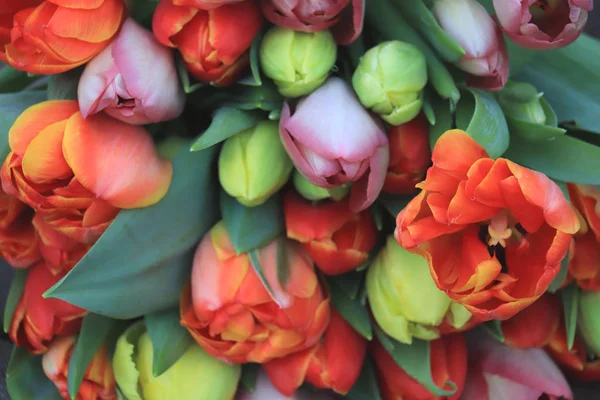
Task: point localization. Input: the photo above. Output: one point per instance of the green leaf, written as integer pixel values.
(443, 120)
(226, 122)
(423, 20)
(494, 329)
(255, 79)
(11, 106)
(480, 115)
(394, 203)
(142, 261)
(350, 282)
(252, 227)
(169, 339)
(563, 158)
(26, 380)
(366, 386)
(382, 16)
(428, 108)
(185, 78)
(17, 286)
(64, 86)
(255, 262)
(249, 374)
(264, 97)
(415, 360)
(570, 300)
(142, 11)
(94, 331)
(351, 310)
(13, 80)
(562, 274)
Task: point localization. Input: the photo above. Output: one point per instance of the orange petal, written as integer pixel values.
(116, 161)
(88, 25)
(84, 4)
(455, 152)
(43, 160)
(169, 19)
(464, 210)
(287, 373)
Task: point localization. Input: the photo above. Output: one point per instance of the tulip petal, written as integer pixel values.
(84, 4)
(366, 190)
(351, 23)
(169, 19)
(287, 373)
(88, 25)
(455, 152)
(116, 161)
(43, 160)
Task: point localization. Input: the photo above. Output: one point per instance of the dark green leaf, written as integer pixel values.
(561, 276)
(249, 374)
(351, 310)
(255, 62)
(379, 213)
(264, 97)
(169, 339)
(185, 78)
(94, 331)
(494, 328)
(255, 261)
(350, 282)
(64, 86)
(142, 11)
(570, 300)
(479, 114)
(26, 380)
(252, 227)
(14, 295)
(443, 121)
(141, 263)
(226, 122)
(12, 80)
(283, 266)
(366, 386)
(11, 106)
(394, 203)
(415, 360)
(563, 158)
(428, 109)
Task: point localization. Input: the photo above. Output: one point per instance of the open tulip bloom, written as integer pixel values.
(299, 199)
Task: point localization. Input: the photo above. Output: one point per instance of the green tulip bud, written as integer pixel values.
(390, 79)
(298, 62)
(404, 299)
(588, 320)
(253, 165)
(196, 375)
(521, 101)
(315, 193)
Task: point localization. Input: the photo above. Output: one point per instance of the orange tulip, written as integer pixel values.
(410, 156)
(19, 243)
(333, 363)
(337, 239)
(37, 321)
(494, 233)
(53, 36)
(584, 266)
(231, 314)
(214, 43)
(448, 359)
(534, 326)
(98, 381)
(77, 174)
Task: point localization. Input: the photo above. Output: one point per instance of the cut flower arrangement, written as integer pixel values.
(272, 199)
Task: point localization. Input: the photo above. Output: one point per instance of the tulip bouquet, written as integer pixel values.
(271, 199)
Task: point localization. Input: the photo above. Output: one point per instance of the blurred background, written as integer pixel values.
(581, 391)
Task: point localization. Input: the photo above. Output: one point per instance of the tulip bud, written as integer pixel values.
(196, 375)
(298, 62)
(521, 101)
(469, 24)
(390, 79)
(589, 320)
(404, 299)
(253, 165)
(264, 390)
(315, 193)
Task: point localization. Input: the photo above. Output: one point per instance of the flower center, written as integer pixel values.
(498, 230)
(550, 16)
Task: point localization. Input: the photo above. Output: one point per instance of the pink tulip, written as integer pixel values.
(499, 372)
(344, 17)
(133, 80)
(333, 140)
(264, 390)
(486, 58)
(543, 24)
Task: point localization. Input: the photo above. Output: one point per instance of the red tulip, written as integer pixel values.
(543, 24)
(19, 242)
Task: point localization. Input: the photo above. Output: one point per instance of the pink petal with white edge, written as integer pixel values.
(367, 189)
(332, 123)
(94, 90)
(116, 161)
(351, 23)
(587, 5)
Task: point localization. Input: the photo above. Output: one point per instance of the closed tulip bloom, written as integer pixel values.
(78, 173)
(469, 24)
(204, 4)
(194, 376)
(98, 381)
(410, 156)
(53, 36)
(448, 358)
(19, 242)
(117, 80)
(264, 390)
(297, 62)
(534, 326)
(404, 299)
(37, 321)
(233, 317)
(334, 363)
(493, 232)
(337, 239)
(257, 156)
(545, 24)
(498, 370)
(332, 140)
(214, 43)
(584, 265)
(344, 17)
(390, 79)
